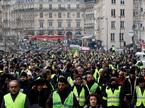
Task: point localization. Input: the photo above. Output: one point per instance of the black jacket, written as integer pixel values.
(37, 97)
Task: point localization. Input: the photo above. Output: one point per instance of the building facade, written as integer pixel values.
(108, 22)
(113, 20)
(8, 39)
(51, 17)
(1, 37)
(139, 20)
(23, 18)
(89, 19)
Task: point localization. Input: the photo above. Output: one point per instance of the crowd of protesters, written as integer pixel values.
(55, 78)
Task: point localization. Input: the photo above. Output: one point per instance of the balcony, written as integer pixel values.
(24, 10)
(5, 20)
(60, 28)
(6, 5)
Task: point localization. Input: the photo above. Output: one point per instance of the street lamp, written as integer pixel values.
(120, 38)
(107, 33)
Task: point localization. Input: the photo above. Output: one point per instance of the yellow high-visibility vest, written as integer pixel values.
(70, 81)
(140, 96)
(18, 103)
(81, 97)
(52, 76)
(95, 74)
(113, 98)
(93, 88)
(68, 103)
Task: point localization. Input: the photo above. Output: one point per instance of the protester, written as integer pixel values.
(24, 83)
(15, 98)
(112, 95)
(56, 60)
(129, 87)
(121, 78)
(139, 97)
(38, 95)
(93, 101)
(80, 90)
(62, 97)
(92, 86)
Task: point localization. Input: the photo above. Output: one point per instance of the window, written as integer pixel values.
(50, 32)
(122, 2)
(50, 15)
(1, 37)
(59, 15)
(68, 24)
(77, 6)
(113, 1)
(59, 6)
(41, 14)
(50, 23)
(122, 25)
(40, 6)
(78, 24)
(112, 37)
(113, 12)
(50, 6)
(112, 24)
(68, 6)
(59, 32)
(41, 32)
(141, 25)
(68, 15)
(41, 24)
(59, 24)
(121, 37)
(141, 9)
(122, 12)
(78, 15)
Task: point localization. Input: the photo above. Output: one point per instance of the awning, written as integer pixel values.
(86, 37)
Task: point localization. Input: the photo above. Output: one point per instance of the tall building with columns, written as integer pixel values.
(107, 21)
(51, 17)
(8, 39)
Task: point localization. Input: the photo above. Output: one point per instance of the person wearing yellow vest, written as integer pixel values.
(92, 86)
(97, 72)
(139, 97)
(63, 97)
(15, 99)
(113, 49)
(80, 90)
(112, 95)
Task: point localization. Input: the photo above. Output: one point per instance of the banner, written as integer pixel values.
(75, 49)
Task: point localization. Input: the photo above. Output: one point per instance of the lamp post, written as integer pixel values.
(107, 33)
(120, 38)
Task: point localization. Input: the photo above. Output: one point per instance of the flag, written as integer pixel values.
(74, 49)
